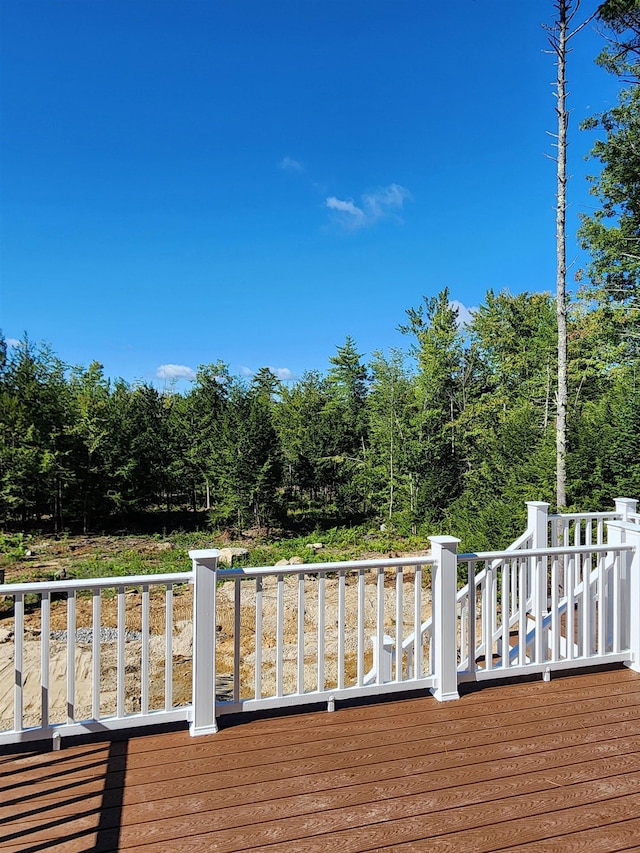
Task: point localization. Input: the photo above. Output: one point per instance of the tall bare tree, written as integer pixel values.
(561, 32)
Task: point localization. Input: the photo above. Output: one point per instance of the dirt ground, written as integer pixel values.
(50, 561)
(84, 659)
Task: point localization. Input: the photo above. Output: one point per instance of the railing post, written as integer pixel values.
(205, 564)
(625, 506)
(538, 523)
(444, 549)
(629, 534)
(615, 536)
(383, 667)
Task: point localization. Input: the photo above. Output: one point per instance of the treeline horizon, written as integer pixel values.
(450, 435)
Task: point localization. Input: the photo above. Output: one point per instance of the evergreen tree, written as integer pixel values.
(392, 411)
(89, 399)
(301, 426)
(612, 233)
(433, 450)
(250, 462)
(345, 420)
(206, 410)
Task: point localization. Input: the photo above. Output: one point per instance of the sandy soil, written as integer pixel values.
(182, 645)
(182, 636)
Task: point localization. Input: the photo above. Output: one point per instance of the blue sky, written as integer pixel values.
(252, 180)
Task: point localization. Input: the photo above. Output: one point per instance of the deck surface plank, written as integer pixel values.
(519, 766)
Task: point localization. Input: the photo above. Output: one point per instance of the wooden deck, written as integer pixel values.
(527, 766)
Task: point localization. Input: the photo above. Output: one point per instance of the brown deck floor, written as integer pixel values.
(526, 766)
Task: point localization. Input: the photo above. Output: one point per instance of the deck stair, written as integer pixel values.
(546, 628)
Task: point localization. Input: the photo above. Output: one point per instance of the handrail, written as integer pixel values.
(57, 706)
(313, 568)
(275, 636)
(325, 568)
(556, 551)
(576, 516)
(74, 584)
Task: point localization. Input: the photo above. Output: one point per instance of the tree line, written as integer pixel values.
(454, 432)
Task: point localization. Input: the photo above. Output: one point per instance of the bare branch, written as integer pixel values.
(582, 25)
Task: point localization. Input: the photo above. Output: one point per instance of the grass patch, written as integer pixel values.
(39, 559)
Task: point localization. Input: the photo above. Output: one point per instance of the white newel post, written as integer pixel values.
(205, 564)
(538, 523)
(625, 506)
(629, 534)
(444, 549)
(617, 612)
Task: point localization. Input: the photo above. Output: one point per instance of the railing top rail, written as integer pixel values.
(515, 546)
(575, 516)
(511, 550)
(544, 552)
(95, 583)
(313, 568)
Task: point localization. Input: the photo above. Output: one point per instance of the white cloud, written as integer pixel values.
(246, 371)
(282, 373)
(13, 342)
(385, 199)
(378, 204)
(347, 207)
(290, 165)
(175, 371)
(465, 315)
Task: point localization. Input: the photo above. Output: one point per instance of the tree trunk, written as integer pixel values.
(547, 395)
(59, 518)
(559, 39)
(391, 471)
(85, 497)
(561, 257)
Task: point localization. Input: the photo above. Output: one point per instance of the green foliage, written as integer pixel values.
(131, 563)
(611, 234)
(451, 436)
(435, 461)
(12, 547)
(392, 409)
(621, 54)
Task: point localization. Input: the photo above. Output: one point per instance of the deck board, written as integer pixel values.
(523, 766)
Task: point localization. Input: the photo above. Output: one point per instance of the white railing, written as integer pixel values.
(109, 664)
(589, 528)
(501, 606)
(306, 634)
(561, 601)
(193, 646)
(544, 610)
(523, 542)
(574, 529)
